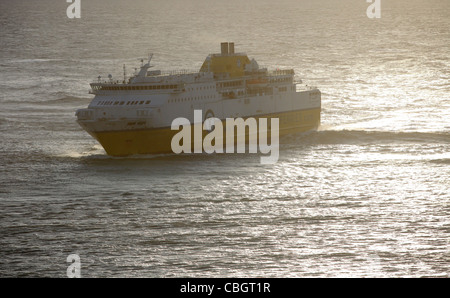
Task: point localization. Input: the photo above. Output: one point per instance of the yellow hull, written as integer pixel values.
(158, 140)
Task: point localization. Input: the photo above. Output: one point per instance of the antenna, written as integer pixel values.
(124, 74)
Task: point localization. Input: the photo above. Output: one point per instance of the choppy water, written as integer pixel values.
(365, 196)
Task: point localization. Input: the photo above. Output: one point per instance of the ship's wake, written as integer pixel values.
(330, 136)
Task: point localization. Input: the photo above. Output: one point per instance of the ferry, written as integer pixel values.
(134, 116)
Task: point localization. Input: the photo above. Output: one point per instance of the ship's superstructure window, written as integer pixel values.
(134, 102)
(149, 87)
(281, 80)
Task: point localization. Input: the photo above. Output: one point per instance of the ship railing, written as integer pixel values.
(178, 72)
(176, 87)
(228, 54)
(112, 82)
(281, 72)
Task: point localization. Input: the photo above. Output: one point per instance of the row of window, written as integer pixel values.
(154, 87)
(230, 84)
(280, 80)
(191, 98)
(200, 88)
(114, 103)
(165, 87)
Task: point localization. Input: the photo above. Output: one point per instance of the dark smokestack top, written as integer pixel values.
(231, 48)
(224, 48)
